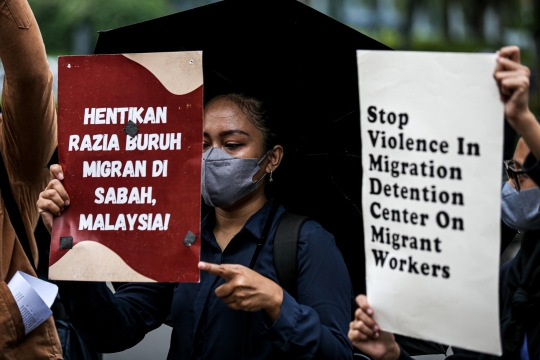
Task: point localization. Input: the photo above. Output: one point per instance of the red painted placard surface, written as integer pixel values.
(115, 82)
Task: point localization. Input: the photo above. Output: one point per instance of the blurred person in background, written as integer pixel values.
(520, 277)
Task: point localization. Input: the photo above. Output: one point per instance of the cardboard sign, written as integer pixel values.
(432, 140)
(130, 143)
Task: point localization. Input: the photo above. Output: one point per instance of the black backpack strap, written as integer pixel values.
(14, 213)
(286, 249)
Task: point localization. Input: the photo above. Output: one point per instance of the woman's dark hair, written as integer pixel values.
(256, 111)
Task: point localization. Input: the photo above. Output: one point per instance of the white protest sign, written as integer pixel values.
(432, 140)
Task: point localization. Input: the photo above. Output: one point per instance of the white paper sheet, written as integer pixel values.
(443, 288)
(34, 298)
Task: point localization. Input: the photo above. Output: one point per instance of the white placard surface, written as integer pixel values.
(34, 298)
(432, 141)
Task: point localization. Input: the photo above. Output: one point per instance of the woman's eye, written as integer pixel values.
(232, 146)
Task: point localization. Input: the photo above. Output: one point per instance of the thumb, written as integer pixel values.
(56, 172)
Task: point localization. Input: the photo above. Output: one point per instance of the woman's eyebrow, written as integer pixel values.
(231, 132)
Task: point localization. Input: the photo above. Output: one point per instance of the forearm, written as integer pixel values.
(29, 117)
(529, 128)
(92, 311)
(109, 322)
(42, 342)
(11, 322)
(299, 332)
(333, 345)
(315, 326)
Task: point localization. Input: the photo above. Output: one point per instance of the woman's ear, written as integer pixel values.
(274, 158)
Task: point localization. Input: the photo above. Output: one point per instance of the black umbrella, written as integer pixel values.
(304, 62)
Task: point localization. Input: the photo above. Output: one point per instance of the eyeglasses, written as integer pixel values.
(512, 173)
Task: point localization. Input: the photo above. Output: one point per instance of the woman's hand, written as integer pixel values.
(513, 82)
(54, 198)
(365, 334)
(246, 289)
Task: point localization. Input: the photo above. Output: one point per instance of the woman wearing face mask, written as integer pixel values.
(520, 194)
(520, 279)
(238, 310)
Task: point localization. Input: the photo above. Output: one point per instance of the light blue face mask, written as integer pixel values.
(519, 210)
(226, 179)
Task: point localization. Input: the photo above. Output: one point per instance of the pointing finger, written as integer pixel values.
(223, 271)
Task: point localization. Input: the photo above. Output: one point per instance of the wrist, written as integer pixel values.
(393, 352)
(274, 308)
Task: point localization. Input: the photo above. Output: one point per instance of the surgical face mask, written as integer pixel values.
(226, 179)
(519, 210)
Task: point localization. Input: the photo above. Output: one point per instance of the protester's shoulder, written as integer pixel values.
(314, 235)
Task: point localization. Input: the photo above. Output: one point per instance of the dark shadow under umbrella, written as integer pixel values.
(304, 63)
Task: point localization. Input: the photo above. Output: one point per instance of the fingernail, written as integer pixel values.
(66, 202)
(369, 311)
(202, 265)
(376, 335)
(60, 176)
(375, 328)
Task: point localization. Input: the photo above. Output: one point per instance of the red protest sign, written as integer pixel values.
(129, 141)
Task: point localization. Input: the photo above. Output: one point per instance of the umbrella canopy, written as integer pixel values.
(304, 63)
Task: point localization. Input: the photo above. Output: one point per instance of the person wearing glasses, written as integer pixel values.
(520, 194)
(520, 277)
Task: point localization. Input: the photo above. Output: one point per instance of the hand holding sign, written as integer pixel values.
(132, 147)
(365, 334)
(246, 289)
(54, 198)
(513, 81)
(431, 192)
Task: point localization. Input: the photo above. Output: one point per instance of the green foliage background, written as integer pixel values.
(62, 23)
(59, 19)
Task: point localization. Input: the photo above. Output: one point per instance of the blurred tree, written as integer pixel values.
(335, 8)
(474, 14)
(408, 8)
(70, 26)
(446, 20)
